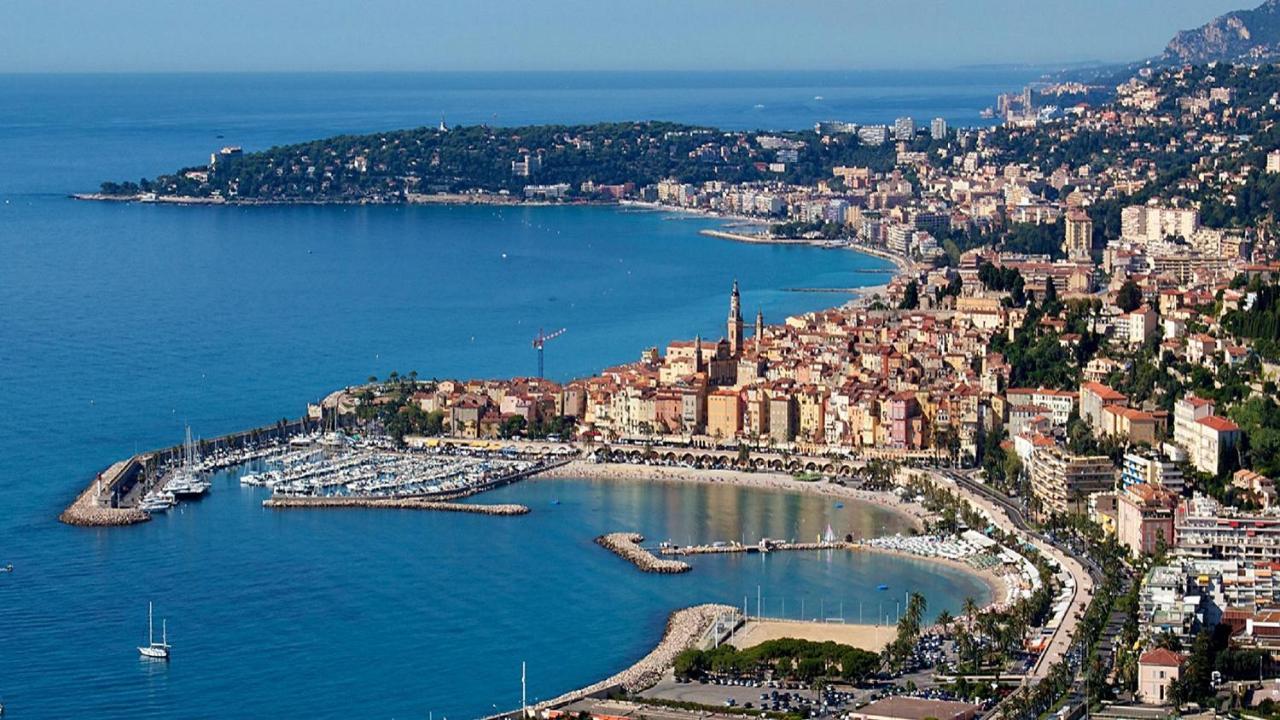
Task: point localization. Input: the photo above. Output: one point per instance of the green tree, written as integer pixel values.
(1129, 297)
(910, 297)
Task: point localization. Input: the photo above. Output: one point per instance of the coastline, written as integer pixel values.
(902, 265)
(911, 512)
(685, 629)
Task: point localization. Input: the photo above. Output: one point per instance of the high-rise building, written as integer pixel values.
(938, 129)
(1062, 482)
(1150, 224)
(904, 128)
(1079, 240)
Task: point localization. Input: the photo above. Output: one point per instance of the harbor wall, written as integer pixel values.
(105, 502)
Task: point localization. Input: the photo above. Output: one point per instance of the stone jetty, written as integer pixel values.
(626, 545)
(92, 507)
(685, 629)
(286, 501)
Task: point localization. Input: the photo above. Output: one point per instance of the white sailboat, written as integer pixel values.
(156, 650)
(187, 481)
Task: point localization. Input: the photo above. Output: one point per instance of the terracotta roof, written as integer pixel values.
(1161, 657)
(1219, 424)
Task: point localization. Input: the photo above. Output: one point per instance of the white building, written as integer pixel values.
(938, 129)
(1202, 434)
(1149, 224)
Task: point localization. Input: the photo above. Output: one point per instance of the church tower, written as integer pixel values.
(759, 326)
(697, 353)
(735, 321)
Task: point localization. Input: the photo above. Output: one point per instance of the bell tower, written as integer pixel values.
(735, 321)
(759, 326)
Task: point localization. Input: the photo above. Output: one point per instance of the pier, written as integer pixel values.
(764, 546)
(285, 502)
(626, 545)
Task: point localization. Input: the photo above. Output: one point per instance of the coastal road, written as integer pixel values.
(1082, 570)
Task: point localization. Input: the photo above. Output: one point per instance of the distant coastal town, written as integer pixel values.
(1070, 383)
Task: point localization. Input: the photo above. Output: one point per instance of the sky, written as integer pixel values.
(402, 35)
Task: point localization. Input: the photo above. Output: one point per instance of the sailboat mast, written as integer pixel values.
(151, 635)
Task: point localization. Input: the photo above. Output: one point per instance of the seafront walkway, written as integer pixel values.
(1009, 518)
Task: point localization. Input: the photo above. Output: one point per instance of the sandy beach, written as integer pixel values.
(912, 512)
(867, 637)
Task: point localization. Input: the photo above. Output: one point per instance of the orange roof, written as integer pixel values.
(1102, 391)
(1161, 657)
(1219, 424)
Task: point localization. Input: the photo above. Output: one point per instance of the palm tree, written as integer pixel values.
(944, 621)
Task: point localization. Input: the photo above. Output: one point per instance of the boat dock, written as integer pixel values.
(764, 546)
(113, 496)
(307, 469)
(395, 503)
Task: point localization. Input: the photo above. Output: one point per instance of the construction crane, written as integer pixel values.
(541, 340)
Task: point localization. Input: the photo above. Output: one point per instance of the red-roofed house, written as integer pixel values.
(1157, 669)
(1093, 398)
(1204, 435)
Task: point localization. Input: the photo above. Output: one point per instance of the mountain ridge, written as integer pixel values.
(1251, 35)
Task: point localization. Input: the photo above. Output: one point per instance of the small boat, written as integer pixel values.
(839, 505)
(156, 650)
(882, 586)
(555, 502)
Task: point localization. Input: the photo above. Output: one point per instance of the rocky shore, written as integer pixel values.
(626, 545)
(394, 503)
(685, 629)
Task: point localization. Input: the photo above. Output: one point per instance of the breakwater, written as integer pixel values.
(408, 503)
(626, 545)
(685, 629)
(89, 508)
(111, 497)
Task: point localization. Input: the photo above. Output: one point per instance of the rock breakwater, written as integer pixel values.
(626, 545)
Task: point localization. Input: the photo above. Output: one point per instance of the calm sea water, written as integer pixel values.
(120, 323)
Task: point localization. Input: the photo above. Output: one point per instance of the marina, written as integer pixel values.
(303, 466)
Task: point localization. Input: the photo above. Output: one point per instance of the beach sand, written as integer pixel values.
(867, 637)
(912, 512)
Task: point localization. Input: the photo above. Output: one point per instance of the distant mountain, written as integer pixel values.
(1239, 36)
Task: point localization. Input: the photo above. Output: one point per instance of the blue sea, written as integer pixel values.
(119, 324)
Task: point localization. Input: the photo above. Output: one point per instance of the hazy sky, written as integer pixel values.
(170, 35)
